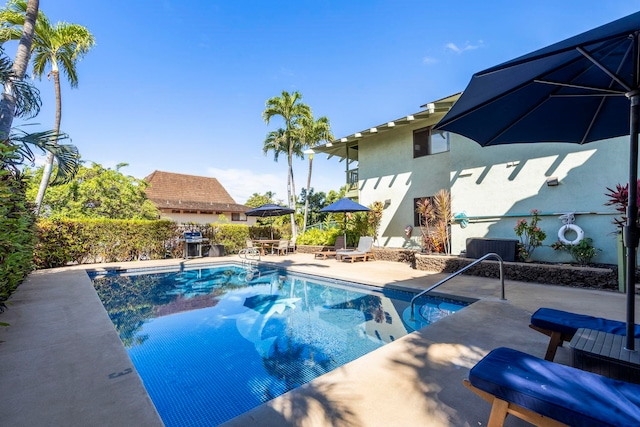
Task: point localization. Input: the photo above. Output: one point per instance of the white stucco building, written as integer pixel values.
(403, 160)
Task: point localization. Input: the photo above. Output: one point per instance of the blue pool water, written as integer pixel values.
(211, 343)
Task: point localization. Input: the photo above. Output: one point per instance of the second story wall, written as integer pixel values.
(388, 172)
(495, 186)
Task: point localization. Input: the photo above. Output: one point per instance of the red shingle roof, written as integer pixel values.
(179, 191)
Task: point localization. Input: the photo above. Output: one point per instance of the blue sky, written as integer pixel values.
(180, 86)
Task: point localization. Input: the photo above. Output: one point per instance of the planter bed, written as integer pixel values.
(601, 277)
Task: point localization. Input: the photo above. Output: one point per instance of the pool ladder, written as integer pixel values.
(462, 270)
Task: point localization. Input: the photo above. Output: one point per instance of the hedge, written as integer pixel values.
(62, 242)
(16, 230)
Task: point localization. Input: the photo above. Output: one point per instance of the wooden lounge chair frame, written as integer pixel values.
(323, 254)
(556, 339)
(561, 326)
(545, 393)
(363, 251)
(501, 408)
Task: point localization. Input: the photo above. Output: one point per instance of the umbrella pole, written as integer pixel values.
(631, 229)
(345, 230)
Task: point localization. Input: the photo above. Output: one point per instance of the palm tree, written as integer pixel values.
(293, 111)
(26, 102)
(58, 46)
(314, 131)
(14, 101)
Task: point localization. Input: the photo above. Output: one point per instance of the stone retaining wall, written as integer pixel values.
(560, 274)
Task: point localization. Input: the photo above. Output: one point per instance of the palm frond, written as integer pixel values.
(26, 95)
(66, 155)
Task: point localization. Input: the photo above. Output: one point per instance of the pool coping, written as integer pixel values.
(61, 348)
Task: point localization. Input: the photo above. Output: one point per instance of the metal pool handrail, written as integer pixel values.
(462, 270)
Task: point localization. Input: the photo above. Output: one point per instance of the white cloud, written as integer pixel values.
(467, 46)
(429, 60)
(242, 183)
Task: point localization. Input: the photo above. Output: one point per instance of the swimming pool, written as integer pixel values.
(212, 342)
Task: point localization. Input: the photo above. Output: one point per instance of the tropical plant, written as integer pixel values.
(58, 46)
(374, 217)
(12, 98)
(582, 252)
(96, 192)
(619, 198)
(287, 139)
(17, 236)
(435, 218)
(66, 155)
(313, 202)
(531, 236)
(257, 200)
(313, 131)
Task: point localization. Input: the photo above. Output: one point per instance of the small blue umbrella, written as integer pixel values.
(269, 210)
(344, 205)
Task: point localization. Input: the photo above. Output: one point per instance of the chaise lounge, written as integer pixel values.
(561, 325)
(339, 245)
(550, 394)
(363, 251)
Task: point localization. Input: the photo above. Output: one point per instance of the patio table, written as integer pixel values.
(265, 244)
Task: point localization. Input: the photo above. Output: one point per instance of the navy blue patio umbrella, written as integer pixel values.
(583, 89)
(345, 205)
(269, 210)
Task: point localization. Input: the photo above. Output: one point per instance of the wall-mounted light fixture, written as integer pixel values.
(552, 181)
(387, 202)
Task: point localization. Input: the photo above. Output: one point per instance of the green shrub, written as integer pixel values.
(16, 230)
(582, 252)
(64, 241)
(317, 237)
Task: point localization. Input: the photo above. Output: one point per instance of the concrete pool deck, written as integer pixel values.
(63, 364)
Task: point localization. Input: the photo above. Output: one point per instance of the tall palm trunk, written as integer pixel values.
(20, 64)
(48, 166)
(292, 195)
(306, 199)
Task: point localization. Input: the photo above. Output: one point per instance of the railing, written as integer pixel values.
(352, 178)
(462, 270)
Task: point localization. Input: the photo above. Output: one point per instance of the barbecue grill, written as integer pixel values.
(193, 243)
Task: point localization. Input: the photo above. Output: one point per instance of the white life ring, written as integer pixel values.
(573, 227)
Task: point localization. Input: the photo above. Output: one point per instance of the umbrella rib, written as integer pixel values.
(603, 68)
(593, 121)
(605, 92)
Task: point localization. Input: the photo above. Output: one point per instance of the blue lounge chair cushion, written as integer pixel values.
(560, 392)
(569, 323)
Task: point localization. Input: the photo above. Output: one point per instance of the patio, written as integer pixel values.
(63, 363)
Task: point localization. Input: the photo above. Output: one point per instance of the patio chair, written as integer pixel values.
(364, 251)
(550, 394)
(339, 245)
(292, 247)
(283, 247)
(561, 325)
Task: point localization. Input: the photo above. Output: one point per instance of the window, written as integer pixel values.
(416, 206)
(235, 216)
(427, 141)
